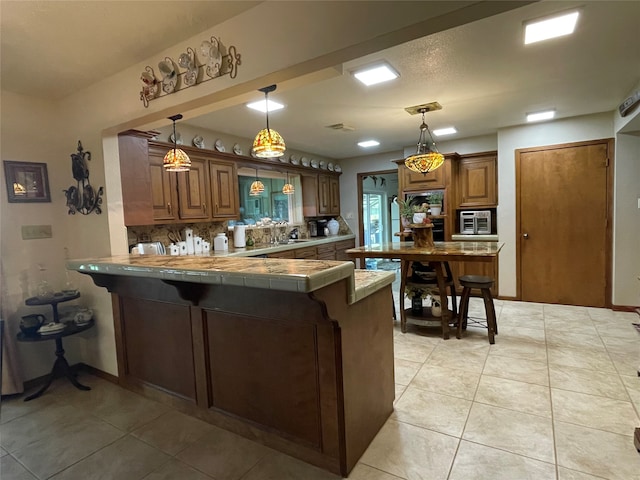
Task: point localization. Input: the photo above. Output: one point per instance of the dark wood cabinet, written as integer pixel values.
(208, 191)
(164, 192)
(411, 180)
(224, 189)
(320, 195)
(477, 180)
(308, 253)
(193, 191)
(341, 248)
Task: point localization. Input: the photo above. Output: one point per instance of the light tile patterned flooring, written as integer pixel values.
(556, 397)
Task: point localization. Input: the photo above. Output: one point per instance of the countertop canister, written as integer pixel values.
(220, 242)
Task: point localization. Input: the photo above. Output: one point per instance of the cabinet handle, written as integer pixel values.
(204, 208)
(169, 208)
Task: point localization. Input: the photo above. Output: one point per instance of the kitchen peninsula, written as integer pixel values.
(294, 354)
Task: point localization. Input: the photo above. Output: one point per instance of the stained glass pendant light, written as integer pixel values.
(176, 160)
(268, 143)
(257, 187)
(288, 188)
(427, 157)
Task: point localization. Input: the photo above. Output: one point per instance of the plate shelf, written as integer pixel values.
(154, 88)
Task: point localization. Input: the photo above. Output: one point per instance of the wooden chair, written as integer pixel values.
(484, 284)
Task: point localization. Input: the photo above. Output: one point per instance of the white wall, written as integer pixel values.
(626, 238)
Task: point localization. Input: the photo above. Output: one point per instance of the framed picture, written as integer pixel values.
(27, 182)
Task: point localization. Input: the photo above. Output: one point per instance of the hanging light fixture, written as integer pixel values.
(268, 143)
(257, 187)
(288, 188)
(176, 160)
(427, 157)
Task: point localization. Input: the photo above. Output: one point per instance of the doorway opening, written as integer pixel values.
(377, 221)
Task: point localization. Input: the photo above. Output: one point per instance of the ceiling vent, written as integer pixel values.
(341, 126)
(426, 107)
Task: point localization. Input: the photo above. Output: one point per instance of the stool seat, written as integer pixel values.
(483, 284)
(476, 281)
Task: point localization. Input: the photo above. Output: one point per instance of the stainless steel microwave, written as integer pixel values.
(475, 222)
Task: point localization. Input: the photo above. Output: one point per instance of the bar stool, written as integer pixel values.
(484, 284)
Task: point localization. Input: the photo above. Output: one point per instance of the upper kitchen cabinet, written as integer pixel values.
(410, 181)
(163, 194)
(477, 180)
(208, 191)
(321, 195)
(135, 173)
(224, 189)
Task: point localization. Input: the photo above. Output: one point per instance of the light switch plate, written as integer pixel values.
(31, 232)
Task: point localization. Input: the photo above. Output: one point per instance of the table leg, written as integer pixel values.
(60, 366)
(442, 288)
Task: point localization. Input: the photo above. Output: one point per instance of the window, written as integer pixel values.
(271, 203)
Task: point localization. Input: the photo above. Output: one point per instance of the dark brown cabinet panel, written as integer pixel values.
(477, 181)
(417, 181)
(341, 247)
(164, 192)
(136, 180)
(281, 393)
(320, 195)
(193, 191)
(224, 189)
(309, 253)
(157, 339)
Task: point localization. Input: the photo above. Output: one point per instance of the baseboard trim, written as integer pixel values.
(625, 308)
(99, 373)
(76, 367)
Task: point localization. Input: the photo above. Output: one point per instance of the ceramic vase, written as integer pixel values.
(419, 217)
(436, 309)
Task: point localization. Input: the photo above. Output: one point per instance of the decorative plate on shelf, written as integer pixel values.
(219, 145)
(337, 168)
(198, 141)
(236, 149)
(305, 161)
(315, 163)
(177, 138)
(283, 159)
(294, 160)
(330, 167)
(323, 164)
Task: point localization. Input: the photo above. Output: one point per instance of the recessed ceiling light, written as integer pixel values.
(376, 74)
(538, 116)
(368, 143)
(445, 131)
(550, 28)
(261, 106)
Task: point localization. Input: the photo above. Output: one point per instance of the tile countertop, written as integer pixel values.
(265, 248)
(267, 273)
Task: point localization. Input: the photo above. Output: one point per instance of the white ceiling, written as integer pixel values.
(481, 73)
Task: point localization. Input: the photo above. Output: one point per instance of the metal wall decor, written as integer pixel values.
(83, 197)
(212, 61)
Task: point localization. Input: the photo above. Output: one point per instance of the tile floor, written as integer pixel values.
(556, 397)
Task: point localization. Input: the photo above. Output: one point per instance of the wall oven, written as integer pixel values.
(475, 222)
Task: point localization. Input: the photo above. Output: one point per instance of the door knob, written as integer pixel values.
(525, 236)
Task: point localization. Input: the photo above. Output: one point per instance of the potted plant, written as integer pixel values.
(406, 211)
(435, 202)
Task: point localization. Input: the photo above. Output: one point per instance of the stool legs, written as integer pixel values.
(464, 310)
(492, 324)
